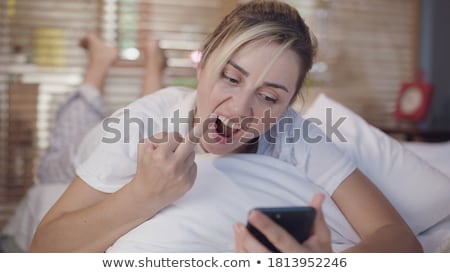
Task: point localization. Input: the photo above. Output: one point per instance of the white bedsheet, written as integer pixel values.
(437, 238)
(31, 210)
(437, 154)
(41, 197)
(201, 221)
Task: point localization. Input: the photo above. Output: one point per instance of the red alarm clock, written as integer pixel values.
(413, 100)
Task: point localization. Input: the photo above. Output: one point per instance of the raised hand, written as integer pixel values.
(166, 171)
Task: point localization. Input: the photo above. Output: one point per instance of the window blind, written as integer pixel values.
(41, 58)
(367, 48)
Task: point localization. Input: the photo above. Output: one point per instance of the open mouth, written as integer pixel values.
(226, 127)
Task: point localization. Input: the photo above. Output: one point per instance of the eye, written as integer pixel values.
(230, 79)
(268, 98)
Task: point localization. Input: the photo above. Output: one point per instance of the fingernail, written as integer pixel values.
(239, 228)
(254, 213)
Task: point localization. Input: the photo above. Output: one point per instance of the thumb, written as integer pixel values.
(320, 227)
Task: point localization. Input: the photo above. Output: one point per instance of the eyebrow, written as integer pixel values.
(276, 85)
(246, 73)
(242, 70)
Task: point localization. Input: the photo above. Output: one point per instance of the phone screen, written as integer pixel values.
(298, 221)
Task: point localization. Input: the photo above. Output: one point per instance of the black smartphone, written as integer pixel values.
(298, 221)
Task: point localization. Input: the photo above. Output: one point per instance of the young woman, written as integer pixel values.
(252, 69)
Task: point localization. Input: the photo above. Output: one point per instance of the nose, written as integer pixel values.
(242, 104)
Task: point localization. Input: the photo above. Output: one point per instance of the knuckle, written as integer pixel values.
(177, 137)
(159, 138)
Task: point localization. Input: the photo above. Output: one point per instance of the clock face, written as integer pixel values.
(411, 100)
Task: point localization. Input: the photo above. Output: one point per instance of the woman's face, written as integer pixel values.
(248, 97)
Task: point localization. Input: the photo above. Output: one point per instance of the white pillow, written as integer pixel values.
(419, 192)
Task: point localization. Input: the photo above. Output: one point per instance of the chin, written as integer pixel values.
(219, 149)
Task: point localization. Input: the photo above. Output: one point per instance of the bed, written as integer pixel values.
(414, 176)
(437, 238)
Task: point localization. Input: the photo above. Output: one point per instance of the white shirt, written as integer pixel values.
(111, 148)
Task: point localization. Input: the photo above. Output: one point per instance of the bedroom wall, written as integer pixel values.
(435, 59)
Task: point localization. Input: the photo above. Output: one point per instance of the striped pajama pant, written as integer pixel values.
(77, 114)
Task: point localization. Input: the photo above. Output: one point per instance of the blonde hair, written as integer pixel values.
(257, 21)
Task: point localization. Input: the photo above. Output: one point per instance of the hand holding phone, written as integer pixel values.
(297, 221)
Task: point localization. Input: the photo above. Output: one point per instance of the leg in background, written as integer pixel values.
(80, 112)
(155, 63)
(101, 57)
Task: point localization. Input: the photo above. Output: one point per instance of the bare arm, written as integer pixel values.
(372, 216)
(86, 220)
(378, 224)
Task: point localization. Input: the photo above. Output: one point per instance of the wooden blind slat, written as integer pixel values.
(370, 49)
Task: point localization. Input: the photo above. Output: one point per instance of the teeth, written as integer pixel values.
(229, 123)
